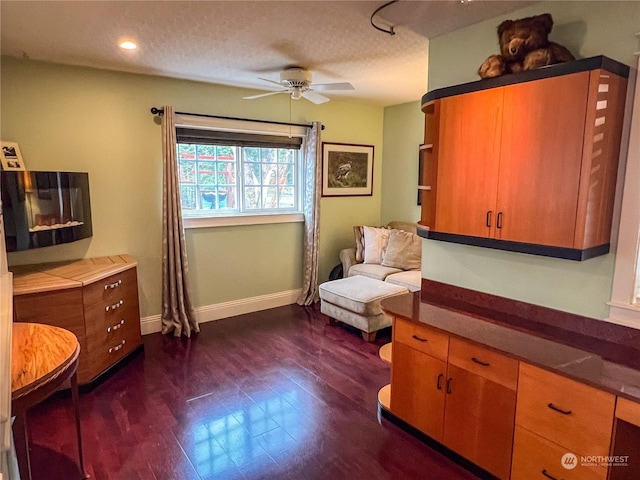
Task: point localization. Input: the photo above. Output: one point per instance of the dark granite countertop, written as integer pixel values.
(613, 367)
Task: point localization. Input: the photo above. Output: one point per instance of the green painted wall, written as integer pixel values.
(588, 29)
(81, 119)
(403, 134)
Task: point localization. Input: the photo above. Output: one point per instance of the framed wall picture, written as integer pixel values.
(10, 156)
(347, 170)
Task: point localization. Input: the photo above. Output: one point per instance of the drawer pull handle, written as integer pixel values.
(488, 219)
(449, 380)
(115, 327)
(439, 382)
(117, 347)
(480, 362)
(113, 285)
(559, 410)
(114, 306)
(544, 472)
(420, 339)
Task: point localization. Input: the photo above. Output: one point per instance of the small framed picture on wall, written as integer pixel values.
(10, 156)
(347, 169)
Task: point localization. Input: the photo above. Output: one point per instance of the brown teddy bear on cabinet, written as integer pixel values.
(524, 45)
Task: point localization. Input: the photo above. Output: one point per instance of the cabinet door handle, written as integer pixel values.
(113, 285)
(115, 327)
(420, 339)
(559, 410)
(548, 475)
(480, 362)
(117, 347)
(114, 306)
(439, 382)
(499, 220)
(488, 220)
(449, 380)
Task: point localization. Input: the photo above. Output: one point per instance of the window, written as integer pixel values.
(228, 173)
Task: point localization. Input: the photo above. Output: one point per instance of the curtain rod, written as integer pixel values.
(160, 111)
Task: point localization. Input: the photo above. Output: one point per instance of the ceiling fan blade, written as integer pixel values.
(270, 81)
(264, 95)
(320, 87)
(315, 97)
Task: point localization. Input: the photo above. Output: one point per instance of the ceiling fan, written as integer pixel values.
(296, 82)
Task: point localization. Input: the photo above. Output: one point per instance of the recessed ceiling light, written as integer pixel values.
(128, 45)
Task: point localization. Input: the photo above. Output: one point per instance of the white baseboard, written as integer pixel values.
(208, 313)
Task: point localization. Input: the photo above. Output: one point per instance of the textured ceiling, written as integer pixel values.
(235, 42)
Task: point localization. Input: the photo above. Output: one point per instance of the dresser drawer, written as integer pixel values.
(576, 416)
(486, 363)
(110, 289)
(535, 458)
(102, 324)
(421, 338)
(107, 354)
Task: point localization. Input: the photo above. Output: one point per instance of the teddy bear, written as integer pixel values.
(524, 45)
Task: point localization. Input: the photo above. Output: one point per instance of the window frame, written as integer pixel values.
(624, 308)
(200, 220)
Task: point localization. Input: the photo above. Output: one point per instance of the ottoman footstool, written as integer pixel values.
(356, 302)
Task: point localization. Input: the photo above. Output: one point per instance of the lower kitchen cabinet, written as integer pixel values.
(478, 422)
(466, 400)
(417, 389)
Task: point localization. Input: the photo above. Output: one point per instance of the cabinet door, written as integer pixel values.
(479, 420)
(468, 155)
(540, 159)
(417, 389)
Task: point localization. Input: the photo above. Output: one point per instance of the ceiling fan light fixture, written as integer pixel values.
(296, 82)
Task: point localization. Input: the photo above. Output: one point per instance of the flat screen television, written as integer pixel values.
(41, 209)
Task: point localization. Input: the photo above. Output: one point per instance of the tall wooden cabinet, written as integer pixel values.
(95, 298)
(527, 162)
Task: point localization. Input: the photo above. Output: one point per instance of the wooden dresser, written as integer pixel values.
(95, 298)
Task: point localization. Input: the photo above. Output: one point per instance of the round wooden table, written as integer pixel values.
(43, 357)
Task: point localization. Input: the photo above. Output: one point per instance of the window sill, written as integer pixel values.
(208, 222)
(626, 314)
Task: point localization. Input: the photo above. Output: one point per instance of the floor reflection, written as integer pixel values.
(264, 432)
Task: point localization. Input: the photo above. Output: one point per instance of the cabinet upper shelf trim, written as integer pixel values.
(583, 65)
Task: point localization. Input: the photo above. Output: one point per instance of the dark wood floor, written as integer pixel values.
(275, 394)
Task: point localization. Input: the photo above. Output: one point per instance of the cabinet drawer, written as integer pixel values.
(107, 355)
(111, 289)
(486, 363)
(628, 411)
(576, 416)
(422, 338)
(535, 458)
(102, 324)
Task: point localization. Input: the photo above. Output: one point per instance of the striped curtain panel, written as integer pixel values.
(177, 310)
